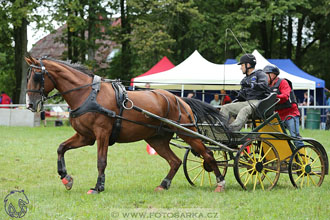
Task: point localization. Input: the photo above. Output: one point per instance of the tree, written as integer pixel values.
(7, 73)
(86, 22)
(151, 29)
(17, 13)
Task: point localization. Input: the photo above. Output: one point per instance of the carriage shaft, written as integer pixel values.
(170, 122)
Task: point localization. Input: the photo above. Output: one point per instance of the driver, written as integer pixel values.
(254, 87)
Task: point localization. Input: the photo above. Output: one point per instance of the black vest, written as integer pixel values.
(292, 97)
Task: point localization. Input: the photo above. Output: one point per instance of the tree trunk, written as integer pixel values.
(75, 55)
(82, 49)
(91, 30)
(75, 43)
(281, 38)
(69, 40)
(298, 56)
(20, 38)
(271, 38)
(125, 57)
(264, 37)
(289, 40)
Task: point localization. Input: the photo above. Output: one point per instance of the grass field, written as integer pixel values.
(28, 160)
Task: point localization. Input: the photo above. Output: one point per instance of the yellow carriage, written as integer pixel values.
(259, 156)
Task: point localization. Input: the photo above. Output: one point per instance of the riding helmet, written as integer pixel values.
(272, 69)
(248, 58)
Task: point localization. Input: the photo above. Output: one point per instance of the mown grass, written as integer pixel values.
(28, 160)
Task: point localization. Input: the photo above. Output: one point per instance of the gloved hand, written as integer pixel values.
(233, 93)
(248, 85)
(240, 97)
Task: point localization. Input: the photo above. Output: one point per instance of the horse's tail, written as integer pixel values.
(205, 112)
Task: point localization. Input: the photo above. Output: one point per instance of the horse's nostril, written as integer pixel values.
(30, 106)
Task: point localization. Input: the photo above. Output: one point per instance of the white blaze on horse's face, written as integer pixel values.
(27, 100)
(34, 102)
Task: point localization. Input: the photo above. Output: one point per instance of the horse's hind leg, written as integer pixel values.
(75, 141)
(161, 146)
(198, 146)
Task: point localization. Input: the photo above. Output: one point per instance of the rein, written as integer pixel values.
(41, 77)
(71, 90)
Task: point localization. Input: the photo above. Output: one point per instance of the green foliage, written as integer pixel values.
(12, 14)
(151, 29)
(7, 75)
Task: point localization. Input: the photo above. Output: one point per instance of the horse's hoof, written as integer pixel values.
(68, 182)
(219, 189)
(159, 189)
(92, 191)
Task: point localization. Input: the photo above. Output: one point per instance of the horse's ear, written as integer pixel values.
(30, 60)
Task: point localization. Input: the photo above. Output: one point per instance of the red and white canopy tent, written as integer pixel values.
(163, 65)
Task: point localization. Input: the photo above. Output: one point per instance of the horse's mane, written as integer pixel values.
(76, 66)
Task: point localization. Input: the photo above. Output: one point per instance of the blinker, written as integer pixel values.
(37, 77)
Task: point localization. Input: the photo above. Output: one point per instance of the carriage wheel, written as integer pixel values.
(198, 172)
(306, 167)
(257, 165)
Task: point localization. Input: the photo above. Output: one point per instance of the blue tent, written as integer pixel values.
(288, 66)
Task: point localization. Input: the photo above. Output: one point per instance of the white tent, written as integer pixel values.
(196, 73)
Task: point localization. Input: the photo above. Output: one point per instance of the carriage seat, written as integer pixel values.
(265, 108)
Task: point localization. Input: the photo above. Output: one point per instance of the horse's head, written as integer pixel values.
(39, 84)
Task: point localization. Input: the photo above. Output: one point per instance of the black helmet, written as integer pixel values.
(248, 58)
(272, 69)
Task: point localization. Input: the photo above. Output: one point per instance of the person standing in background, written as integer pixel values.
(5, 99)
(327, 122)
(191, 95)
(147, 85)
(225, 99)
(43, 118)
(311, 100)
(216, 101)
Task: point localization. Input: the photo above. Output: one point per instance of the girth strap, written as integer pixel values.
(121, 96)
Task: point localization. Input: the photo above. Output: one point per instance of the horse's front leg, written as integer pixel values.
(75, 141)
(102, 153)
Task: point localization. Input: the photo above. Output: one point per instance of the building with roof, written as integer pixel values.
(52, 46)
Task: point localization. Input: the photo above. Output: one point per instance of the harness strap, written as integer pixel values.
(179, 109)
(189, 116)
(167, 112)
(90, 104)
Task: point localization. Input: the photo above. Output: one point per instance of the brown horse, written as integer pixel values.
(95, 121)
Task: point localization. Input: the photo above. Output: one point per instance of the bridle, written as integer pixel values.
(40, 77)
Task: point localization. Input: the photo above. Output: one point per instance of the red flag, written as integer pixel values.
(150, 150)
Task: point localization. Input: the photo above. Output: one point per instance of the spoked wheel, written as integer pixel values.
(198, 172)
(306, 167)
(257, 165)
